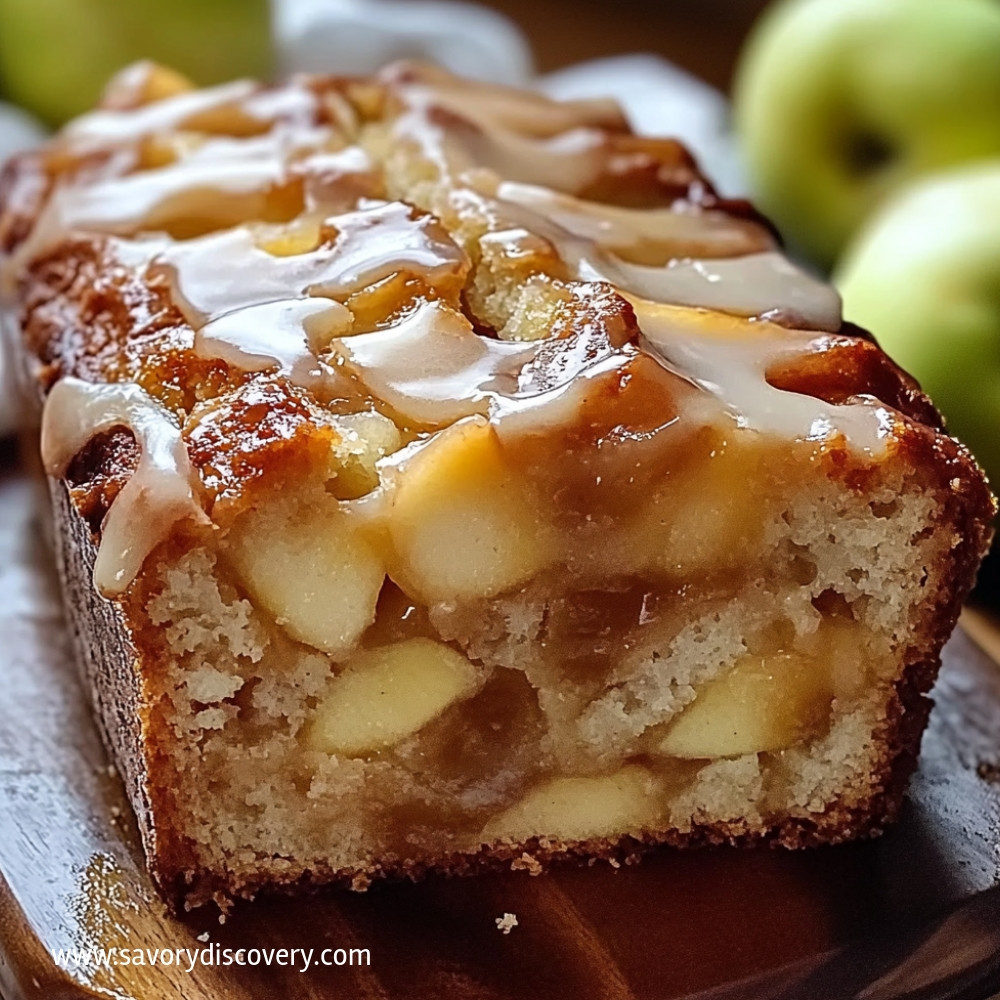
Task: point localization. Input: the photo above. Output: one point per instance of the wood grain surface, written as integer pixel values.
(736, 923)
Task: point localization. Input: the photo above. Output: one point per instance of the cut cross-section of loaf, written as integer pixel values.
(443, 474)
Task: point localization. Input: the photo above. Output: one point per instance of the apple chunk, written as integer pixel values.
(311, 569)
(580, 808)
(461, 525)
(710, 517)
(762, 703)
(840, 103)
(385, 695)
(923, 274)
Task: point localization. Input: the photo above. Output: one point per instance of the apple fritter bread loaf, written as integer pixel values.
(445, 476)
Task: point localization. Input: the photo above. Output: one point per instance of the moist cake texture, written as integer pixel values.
(445, 476)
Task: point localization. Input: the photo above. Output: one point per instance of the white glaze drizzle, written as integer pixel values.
(212, 109)
(765, 285)
(467, 129)
(159, 494)
(286, 336)
(516, 134)
(663, 232)
(101, 128)
(212, 189)
(432, 368)
(218, 274)
(548, 405)
(335, 180)
(523, 111)
(732, 368)
(220, 183)
(759, 284)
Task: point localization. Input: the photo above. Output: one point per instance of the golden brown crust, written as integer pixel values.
(24, 185)
(106, 655)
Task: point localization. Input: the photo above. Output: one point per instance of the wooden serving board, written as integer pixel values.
(908, 915)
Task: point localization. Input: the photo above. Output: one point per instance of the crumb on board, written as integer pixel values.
(506, 923)
(526, 863)
(988, 771)
(203, 936)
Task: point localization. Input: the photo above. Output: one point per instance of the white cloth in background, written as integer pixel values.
(359, 36)
(18, 130)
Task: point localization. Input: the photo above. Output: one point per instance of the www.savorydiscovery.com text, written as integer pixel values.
(214, 954)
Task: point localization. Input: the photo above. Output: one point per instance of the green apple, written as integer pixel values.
(56, 55)
(924, 276)
(840, 102)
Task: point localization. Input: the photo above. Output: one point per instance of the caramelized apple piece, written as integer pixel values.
(763, 703)
(366, 438)
(385, 695)
(461, 524)
(144, 83)
(707, 518)
(288, 239)
(312, 569)
(581, 808)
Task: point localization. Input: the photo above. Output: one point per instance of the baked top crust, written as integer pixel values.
(238, 240)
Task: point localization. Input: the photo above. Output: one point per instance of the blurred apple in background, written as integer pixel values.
(838, 103)
(924, 275)
(56, 55)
